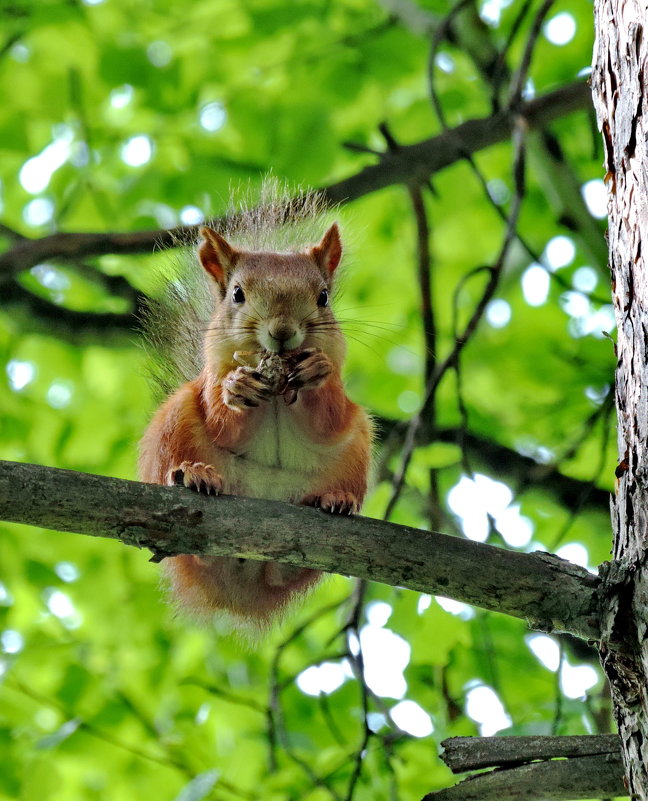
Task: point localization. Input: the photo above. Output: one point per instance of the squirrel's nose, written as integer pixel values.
(282, 332)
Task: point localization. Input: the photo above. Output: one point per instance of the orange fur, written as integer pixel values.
(302, 441)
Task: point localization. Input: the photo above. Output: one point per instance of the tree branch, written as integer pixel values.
(551, 780)
(549, 592)
(411, 163)
(472, 753)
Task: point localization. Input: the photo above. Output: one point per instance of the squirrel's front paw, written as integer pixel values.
(310, 370)
(336, 502)
(197, 476)
(245, 387)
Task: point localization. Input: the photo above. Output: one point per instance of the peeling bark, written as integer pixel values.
(620, 53)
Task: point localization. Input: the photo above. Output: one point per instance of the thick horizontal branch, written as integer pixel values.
(472, 753)
(549, 592)
(410, 163)
(553, 780)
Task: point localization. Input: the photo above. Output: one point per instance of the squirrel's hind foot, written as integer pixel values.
(336, 502)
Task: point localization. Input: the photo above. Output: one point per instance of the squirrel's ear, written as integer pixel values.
(328, 253)
(216, 255)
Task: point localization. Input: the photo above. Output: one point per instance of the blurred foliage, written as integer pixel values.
(128, 115)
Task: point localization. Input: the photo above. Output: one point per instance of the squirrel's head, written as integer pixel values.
(271, 301)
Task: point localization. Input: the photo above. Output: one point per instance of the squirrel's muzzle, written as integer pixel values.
(283, 336)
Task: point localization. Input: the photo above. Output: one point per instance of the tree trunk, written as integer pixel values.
(618, 89)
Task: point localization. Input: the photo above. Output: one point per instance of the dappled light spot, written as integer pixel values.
(424, 602)
(560, 30)
(559, 252)
(325, 678)
(585, 319)
(378, 613)
(498, 313)
(412, 718)
(137, 150)
(50, 277)
(574, 552)
(545, 649)
(20, 53)
(585, 279)
(61, 606)
(20, 374)
(212, 116)
(596, 198)
(457, 608)
(67, 571)
(376, 721)
(191, 215)
(491, 11)
(528, 90)
(38, 212)
(59, 394)
(597, 394)
(535, 285)
(122, 96)
(11, 641)
(445, 62)
(515, 528)
(159, 53)
(36, 172)
(475, 500)
(576, 680)
(408, 401)
(386, 655)
(5, 596)
(485, 708)
(498, 191)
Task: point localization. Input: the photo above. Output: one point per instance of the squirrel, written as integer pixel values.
(267, 417)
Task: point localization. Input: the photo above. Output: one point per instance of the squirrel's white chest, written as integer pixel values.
(279, 462)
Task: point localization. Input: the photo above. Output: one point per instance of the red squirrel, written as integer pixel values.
(267, 417)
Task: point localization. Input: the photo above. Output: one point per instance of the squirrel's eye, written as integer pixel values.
(322, 300)
(237, 295)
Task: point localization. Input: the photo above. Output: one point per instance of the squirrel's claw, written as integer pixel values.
(337, 502)
(197, 476)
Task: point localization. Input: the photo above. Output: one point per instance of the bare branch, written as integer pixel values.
(549, 592)
(411, 163)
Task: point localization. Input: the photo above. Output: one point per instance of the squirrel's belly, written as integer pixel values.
(279, 463)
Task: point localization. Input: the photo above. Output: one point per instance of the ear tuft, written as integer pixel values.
(328, 253)
(216, 255)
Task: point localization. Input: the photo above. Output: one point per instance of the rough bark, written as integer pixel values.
(551, 593)
(618, 78)
(551, 780)
(472, 753)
